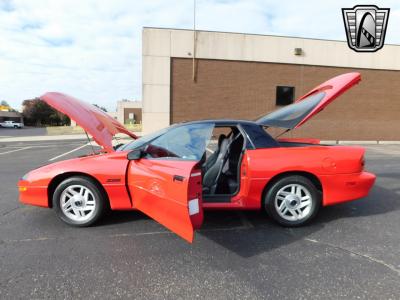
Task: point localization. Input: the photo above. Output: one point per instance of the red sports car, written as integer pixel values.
(174, 174)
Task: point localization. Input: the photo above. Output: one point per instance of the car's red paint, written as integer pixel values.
(339, 169)
(95, 121)
(158, 194)
(333, 89)
(300, 140)
(324, 163)
(32, 194)
(108, 169)
(346, 187)
(150, 185)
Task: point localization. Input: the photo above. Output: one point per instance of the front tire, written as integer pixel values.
(292, 201)
(78, 201)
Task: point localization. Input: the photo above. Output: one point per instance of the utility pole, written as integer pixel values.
(194, 65)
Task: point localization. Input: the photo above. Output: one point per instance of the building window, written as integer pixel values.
(284, 95)
(131, 116)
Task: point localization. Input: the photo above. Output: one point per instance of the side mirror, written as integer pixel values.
(117, 146)
(136, 154)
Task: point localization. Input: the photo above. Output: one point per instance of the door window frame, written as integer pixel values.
(247, 144)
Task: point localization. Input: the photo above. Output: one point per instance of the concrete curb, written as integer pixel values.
(357, 142)
(389, 142)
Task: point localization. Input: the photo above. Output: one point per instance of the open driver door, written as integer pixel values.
(169, 191)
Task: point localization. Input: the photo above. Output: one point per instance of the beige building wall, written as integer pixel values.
(113, 114)
(124, 105)
(160, 45)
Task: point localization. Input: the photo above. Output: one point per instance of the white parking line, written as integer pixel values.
(66, 153)
(11, 151)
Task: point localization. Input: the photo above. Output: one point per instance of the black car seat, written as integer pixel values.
(211, 176)
(232, 166)
(235, 151)
(213, 157)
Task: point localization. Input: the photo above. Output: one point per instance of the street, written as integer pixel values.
(349, 251)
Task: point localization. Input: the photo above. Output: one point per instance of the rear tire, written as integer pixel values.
(292, 201)
(78, 201)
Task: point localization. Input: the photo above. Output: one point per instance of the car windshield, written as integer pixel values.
(187, 142)
(143, 140)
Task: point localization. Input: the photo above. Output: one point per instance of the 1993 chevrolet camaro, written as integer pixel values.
(174, 174)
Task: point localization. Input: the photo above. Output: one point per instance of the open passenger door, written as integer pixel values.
(169, 191)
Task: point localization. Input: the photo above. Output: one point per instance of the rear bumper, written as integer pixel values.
(32, 195)
(340, 188)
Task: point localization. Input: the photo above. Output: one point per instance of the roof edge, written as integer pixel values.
(256, 34)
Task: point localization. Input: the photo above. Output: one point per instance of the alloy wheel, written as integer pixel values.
(293, 202)
(77, 203)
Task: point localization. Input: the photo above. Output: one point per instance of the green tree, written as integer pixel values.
(37, 112)
(4, 103)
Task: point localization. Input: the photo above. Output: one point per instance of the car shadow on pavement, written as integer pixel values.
(261, 234)
(120, 217)
(253, 232)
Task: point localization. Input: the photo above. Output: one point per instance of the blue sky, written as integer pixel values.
(91, 49)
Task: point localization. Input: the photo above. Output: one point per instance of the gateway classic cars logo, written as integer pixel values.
(365, 27)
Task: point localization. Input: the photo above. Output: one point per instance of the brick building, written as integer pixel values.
(239, 76)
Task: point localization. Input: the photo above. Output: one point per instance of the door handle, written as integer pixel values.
(178, 178)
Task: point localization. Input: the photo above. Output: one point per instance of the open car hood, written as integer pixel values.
(93, 120)
(296, 114)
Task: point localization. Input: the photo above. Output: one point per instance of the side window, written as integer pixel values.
(187, 142)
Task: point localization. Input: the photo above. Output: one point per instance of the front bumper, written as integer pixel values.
(32, 195)
(340, 188)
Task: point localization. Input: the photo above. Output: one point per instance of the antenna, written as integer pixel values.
(90, 142)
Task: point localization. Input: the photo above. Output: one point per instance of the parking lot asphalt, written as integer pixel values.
(350, 251)
(26, 131)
